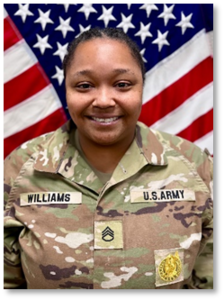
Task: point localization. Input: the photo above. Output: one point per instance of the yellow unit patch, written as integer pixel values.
(169, 266)
(108, 234)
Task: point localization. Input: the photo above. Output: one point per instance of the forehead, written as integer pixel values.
(100, 42)
(103, 48)
(101, 54)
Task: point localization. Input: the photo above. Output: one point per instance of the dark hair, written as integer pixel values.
(111, 33)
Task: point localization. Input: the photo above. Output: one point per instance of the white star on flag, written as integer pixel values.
(42, 43)
(167, 14)
(87, 9)
(144, 31)
(149, 8)
(185, 22)
(59, 75)
(44, 18)
(82, 29)
(62, 50)
(107, 15)
(142, 54)
(126, 23)
(64, 26)
(23, 11)
(129, 5)
(66, 4)
(161, 40)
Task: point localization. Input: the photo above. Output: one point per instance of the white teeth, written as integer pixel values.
(106, 120)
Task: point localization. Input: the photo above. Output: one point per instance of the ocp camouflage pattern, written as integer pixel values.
(109, 239)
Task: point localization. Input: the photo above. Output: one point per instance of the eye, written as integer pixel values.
(123, 85)
(83, 86)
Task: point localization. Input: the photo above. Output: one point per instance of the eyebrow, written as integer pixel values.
(90, 72)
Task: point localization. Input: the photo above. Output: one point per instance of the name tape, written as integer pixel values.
(47, 198)
(165, 195)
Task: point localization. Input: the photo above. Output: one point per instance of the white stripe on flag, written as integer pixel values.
(211, 43)
(206, 142)
(17, 59)
(30, 111)
(194, 107)
(5, 13)
(176, 65)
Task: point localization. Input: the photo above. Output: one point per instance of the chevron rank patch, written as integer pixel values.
(108, 234)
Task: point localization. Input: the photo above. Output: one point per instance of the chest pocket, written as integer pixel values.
(164, 226)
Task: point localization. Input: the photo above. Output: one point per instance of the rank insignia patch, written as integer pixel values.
(169, 266)
(108, 235)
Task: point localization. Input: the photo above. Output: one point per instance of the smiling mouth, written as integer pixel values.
(104, 120)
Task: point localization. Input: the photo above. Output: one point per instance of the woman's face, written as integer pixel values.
(104, 91)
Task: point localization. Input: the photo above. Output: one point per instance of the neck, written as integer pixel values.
(104, 158)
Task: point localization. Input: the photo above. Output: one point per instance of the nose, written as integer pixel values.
(104, 98)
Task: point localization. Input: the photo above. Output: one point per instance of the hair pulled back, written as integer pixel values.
(111, 33)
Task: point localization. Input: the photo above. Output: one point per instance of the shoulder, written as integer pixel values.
(22, 153)
(190, 151)
(199, 160)
(16, 159)
(178, 145)
(37, 144)
(30, 149)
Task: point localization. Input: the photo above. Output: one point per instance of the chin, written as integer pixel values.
(104, 142)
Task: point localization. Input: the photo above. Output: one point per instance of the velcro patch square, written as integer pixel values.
(108, 234)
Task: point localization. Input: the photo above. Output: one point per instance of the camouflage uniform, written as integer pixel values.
(146, 228)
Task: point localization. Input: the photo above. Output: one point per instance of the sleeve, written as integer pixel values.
(202, 277)
(13, 273)
(203, 273)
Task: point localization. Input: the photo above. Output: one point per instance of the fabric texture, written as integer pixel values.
(148, 227)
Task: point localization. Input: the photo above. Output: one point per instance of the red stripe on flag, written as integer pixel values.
(24, 86)
(48, 124)
(11, 34)
(174, 95)
(198, 128)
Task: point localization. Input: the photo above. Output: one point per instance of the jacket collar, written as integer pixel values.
(59, 149)
(151, 147)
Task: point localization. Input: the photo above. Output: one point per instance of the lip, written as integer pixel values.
(103, 116)
(104, 120)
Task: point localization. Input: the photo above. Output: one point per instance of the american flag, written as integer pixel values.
(176, 43)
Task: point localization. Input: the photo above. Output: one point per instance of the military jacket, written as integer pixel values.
(146, 228)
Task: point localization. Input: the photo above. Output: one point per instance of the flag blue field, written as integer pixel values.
(175, 41)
